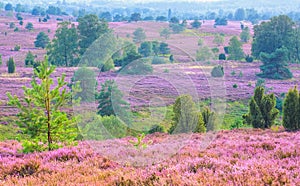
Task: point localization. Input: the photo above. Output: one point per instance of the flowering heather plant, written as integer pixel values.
(237, 157)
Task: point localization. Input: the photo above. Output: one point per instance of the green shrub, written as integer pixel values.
(222, 56)
(262, 112)
(291, 110)
(215, 50)
(186, 116)
(156, 128)
(166, 71)
(209, 119)
(16, 29)
(233, 73)
(217, 71)
(11, 65)
(17, 48)
(236, 125)
(138, 67)
(226, 49)
(12, 25)
(0, 59)
(158, 60)
(29, 60)
(235, 86)
(249, 58)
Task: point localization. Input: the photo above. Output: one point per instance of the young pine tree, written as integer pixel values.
(186, 116)
(40, 116)
(262, 112)
(291, 110)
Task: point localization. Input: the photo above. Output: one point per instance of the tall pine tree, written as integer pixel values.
(291, 110)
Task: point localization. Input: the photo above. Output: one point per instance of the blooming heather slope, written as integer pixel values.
(240, 157)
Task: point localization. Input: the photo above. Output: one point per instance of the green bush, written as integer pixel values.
(16, 29)
(217, 71)
(158, 60)
(156, 128)
(291, 110)
(249, 58)
(262, 112)
(186, 116)
(11, 65)
(222, 56)
(138, 67)
(209, 119)
(235, 86)
(226, 49)
(17, 48)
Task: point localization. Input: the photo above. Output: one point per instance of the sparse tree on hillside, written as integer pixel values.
(196, 24)
(165, 33)
(204, 53)
(235, 49)
(8, 7)
(139, 35)
(240, 14)
(245, 35)
(164, 49)
(42, 40)
(272, 35)
(29, 60)
(29, 26)
(218, 39)
(275, 65)
(63, 51)
(135, 17)
(90, 28)
(145, 49)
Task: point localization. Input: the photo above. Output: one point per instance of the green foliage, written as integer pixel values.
(222, 56)
(217, 71)
(275, 65)
(204, 53)
(291, 110)
(16, 29)
(218, 39)
(141, 66)
(226, 49)
(42, 40)
(64, 50)
(236, 125)
(88, 84)
(0, 59)
(235, 49)
(177, 28)
(145, 49)
(139, 35)
(262, 112)
(90, 28)
(209, 119)
(139, 143)
(215, 50)
(200, 42)
(240, 14)
(164, 49)
(245, 35)
(17, 48)
(274, 34)
(249, 58)
(40, 116)
(158, 60)
(235, 86)
(186, 116)
(165, 33)
(95, 127)
(130, 54)
(11, 65)
(221, 21)
(156, 128)
(135, 17)
(29, 60)
(196, 24)
(111, 102)
(29, 26)
(12, 25)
